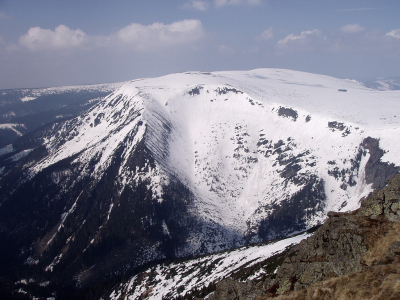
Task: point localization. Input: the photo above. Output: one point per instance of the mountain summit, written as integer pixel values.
(192, 163)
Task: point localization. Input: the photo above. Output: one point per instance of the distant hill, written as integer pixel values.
(384, 84)
(24, 110)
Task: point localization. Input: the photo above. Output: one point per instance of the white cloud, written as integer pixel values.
(196, 5)
(356, 9)
(267, 34)
(304, 38)
(394, 33)
(203, 5)
(144, 37)
(4, 16)
(226, 49)
(137, 36)
(254, 50)
(220, 3)
(254, 2)
(62, 37)
(2, 44)
(352, 28)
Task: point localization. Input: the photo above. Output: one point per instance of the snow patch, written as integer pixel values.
(27, 98)
(6, 149)
(13, 127)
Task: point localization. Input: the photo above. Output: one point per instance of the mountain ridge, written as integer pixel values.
(192, 163)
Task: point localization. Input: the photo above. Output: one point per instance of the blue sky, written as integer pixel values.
(58, 42)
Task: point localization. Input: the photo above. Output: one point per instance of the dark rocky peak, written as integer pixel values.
(195, 91)
(335, 125)
(287, 113)
(226, 90)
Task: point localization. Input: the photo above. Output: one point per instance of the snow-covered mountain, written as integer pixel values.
(193, 163)
(384, 84)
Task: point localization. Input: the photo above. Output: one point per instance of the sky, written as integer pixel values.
(47, 43)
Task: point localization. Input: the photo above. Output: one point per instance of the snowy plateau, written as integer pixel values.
(193, 163)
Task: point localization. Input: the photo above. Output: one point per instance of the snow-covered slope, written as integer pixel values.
(193, 163)
(168, 281)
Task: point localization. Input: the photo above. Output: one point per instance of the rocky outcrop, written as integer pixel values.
(384, 202)
(377, 171)
(354, 255)
(375, 282)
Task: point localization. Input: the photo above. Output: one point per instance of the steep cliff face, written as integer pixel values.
(353, 255)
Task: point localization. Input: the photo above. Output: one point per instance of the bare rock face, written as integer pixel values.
(348, 245)
(384, 202)
(335, 249)
(377, 172)
(229, 289)
(375, 282)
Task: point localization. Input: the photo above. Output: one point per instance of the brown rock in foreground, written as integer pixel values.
(353, 255)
